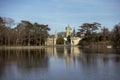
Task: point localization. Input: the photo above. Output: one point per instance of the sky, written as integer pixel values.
(60, 13)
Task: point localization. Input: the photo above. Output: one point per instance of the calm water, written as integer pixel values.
(59, 64)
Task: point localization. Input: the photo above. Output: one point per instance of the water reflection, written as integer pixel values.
(22, 61)
(67, 53)
(26, 58)
(59, 63)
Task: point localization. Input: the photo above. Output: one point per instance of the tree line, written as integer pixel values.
(95, 33)
(25, 33)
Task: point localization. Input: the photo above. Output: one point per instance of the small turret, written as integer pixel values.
(74, 33)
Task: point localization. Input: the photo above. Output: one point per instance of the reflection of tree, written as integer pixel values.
(90, 59)
(95, 60)
(105, 59)
(4, 60)
(33, 58)
(60, 51)
(25, 59)
(116, 59)
(2, 65)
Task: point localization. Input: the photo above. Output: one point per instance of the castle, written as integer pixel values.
(74, 40)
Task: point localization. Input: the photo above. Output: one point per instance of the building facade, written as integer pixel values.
(74, 40)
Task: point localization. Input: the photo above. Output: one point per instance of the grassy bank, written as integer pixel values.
(22, 47)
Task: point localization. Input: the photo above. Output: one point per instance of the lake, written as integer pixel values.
(60, 63)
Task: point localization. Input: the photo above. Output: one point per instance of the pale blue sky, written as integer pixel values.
(59, 13)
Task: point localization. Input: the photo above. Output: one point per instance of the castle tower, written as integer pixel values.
(68, 31)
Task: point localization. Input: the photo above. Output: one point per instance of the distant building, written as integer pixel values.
(51, 40)
(73, 37)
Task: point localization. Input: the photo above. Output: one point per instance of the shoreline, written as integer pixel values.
(32, 47)
(57, 46)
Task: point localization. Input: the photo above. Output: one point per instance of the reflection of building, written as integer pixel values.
(63, 50)
(69, 53)
(72, 50)
(52, 51)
